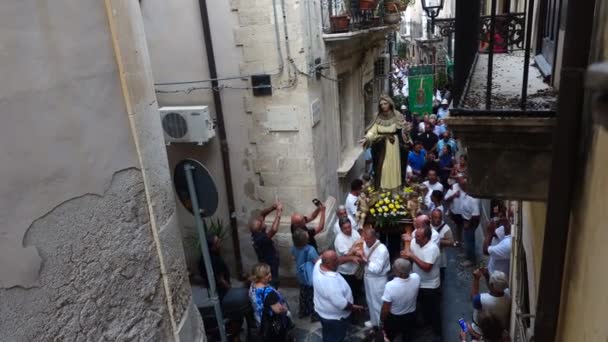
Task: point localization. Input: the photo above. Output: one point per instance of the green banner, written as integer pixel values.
(421, 93)
(449, 67)
(419, 70)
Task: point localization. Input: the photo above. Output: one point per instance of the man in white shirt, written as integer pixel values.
(399, 302)
(424, 254)
(405, 89)
(470, 220)
(431, 184)
(443, 110)
(349, 246)
(499, 249)
(421, 222)
(497, 302)
(374, 279)
(342, 213)
(333, 298)
(436, 201)
(445, 238)
(454, 198)
(356, 186)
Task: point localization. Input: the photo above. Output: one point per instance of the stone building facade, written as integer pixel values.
(90, 247)
(424, 48)
(298, 144)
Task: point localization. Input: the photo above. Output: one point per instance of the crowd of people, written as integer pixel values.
(356, 282)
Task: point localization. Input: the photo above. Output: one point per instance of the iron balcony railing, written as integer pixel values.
(491, 34)
(335, 13)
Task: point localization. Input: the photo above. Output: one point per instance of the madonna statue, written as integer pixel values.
(384, 136)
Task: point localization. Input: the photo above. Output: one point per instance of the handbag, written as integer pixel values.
(273, 327)
(304, 271)
(360, 272)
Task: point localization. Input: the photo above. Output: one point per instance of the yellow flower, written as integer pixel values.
(392, 206)
(379, 210)
(394, 210)
(372, 211)
(398, 206)
(377, 205)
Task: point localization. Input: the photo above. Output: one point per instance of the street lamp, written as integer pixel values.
(432, 9)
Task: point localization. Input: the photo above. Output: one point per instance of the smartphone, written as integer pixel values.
(316, 202)
(463, 325)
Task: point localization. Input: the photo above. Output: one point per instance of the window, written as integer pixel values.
(548, 29)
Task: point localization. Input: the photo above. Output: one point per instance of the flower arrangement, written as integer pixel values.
(387, 209)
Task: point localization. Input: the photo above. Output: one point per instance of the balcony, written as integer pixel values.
(504, 114)
(345, 20)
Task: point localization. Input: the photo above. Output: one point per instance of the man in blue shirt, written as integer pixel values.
(416, 158)
(446, 139)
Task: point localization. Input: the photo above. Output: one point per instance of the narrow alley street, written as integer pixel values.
(304, 170)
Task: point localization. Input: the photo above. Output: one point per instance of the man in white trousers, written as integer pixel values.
(374, 279)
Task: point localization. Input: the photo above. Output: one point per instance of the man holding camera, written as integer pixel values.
(298, 221)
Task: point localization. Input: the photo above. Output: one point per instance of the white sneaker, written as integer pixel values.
(368, 324)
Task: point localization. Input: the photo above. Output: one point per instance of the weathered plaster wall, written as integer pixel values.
(533, 232)
(89, 246)
(584, 302)
(64, 130)
(100, 276)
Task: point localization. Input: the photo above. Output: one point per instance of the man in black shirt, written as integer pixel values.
(428, 138)
(262, 240)
(235, 301)
(299, 222)
(220, 269)
(431, 163)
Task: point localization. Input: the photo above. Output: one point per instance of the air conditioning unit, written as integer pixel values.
(382, 66)
(189, 124)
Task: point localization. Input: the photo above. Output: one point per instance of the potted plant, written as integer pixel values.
(341, 21)
(367, 4)
(390, 4)
(392, 15)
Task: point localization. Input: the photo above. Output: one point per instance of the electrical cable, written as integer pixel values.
(291, 84)
(217, 79)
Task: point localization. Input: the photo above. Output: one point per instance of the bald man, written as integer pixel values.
(420, 222)
(262, 240)
(333, 298)
(299, 221)
(424, 255)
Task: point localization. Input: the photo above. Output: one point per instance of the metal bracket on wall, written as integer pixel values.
(596, 82)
